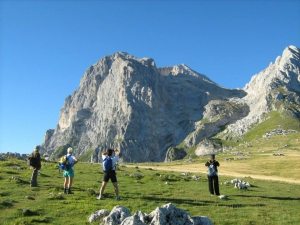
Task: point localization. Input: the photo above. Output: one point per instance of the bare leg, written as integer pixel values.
(102, 188)
(70, 182)
(116, 189)
(66, 183)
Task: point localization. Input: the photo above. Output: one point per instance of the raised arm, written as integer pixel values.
(117, 152)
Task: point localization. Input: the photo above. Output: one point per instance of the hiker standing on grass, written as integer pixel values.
(35, 163)
(69, 171)
(110, 159)
(212, 175)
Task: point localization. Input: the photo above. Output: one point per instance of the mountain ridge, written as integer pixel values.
(127, 102)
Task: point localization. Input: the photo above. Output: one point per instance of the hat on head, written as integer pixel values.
(70, 150)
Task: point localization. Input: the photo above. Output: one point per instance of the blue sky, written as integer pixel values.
(45, 47)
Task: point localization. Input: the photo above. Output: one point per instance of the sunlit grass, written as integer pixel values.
(265, 203)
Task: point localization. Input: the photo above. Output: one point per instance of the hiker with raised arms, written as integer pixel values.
(110, 159)
(35, 163)
(67, 163)
(212, 175)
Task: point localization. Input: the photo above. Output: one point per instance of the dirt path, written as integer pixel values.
(195, 169)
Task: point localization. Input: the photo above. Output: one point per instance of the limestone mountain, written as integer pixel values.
(127, 102)
(276, 88)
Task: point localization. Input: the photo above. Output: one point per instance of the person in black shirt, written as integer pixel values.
(212, 175)
(35, 163)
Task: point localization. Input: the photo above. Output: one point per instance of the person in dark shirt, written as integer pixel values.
(35, 163)
(212, 175)
(113, 155)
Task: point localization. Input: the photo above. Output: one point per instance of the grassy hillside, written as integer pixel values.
(274, 120)
(141, 189)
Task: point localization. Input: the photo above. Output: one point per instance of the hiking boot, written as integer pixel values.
(65, 191)
(99, 197)
(118, 198)
(69, 191)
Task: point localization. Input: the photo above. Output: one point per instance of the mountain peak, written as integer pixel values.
(289, 55)
(126, 102)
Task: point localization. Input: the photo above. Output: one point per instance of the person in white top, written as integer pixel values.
(69, 172)
(109, 161)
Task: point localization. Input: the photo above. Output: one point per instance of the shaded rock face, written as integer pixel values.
(217, 114)
(129, 103)
(164, 215)
(175, 154)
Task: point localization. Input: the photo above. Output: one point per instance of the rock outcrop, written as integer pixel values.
(164, 215)
(208, 147)
(175, 154)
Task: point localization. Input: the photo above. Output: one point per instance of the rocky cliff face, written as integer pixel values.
(129, 103)
(275, 88)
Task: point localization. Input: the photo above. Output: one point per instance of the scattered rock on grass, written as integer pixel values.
(196, 178)
(223, 197)
(166, 215)
(240, 184)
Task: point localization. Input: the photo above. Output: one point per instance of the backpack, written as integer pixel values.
(64, 163)
(107, 164)
(211, 170)
(31, 161)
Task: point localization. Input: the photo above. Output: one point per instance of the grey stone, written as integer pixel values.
(165, 215)
(174, 154)
(240, 184)
(223, 197)
(117, 215)
(169, 214)
(137, 219)
(207, 147)
(201, 220)
(98, 215)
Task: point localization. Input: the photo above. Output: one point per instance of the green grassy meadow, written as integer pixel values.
(267, 202)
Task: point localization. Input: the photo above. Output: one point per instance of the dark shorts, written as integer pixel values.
(110, 175)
